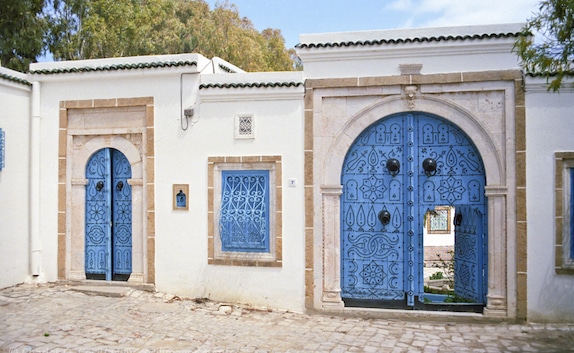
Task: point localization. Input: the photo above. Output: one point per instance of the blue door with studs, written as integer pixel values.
(397, 171)
(108, 227)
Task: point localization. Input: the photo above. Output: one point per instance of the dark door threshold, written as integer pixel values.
(402, 304)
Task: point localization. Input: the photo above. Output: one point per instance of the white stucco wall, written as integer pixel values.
(181, 265)
(181, 237)
(549, 121)
(14, 195)
(338, 55)
(162, 84)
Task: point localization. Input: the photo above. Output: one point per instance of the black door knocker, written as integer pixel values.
(384, 217)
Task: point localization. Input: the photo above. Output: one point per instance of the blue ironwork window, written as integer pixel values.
(564, 213)
(571, 235)
(244, 212)
(2, 149)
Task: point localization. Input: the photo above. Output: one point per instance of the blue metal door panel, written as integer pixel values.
(98, 231)
(386, 261)
(469, 266)
(372, 254)
(122, 213)
(108, 214)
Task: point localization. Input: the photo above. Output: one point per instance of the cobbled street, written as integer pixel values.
(59, 318)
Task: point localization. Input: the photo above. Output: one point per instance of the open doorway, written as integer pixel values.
(454, 266)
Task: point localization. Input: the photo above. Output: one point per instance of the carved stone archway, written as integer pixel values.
(125, 126)
(329, 150)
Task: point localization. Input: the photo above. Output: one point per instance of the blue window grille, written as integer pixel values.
(2, 155)
(572, 213)
(244, 214)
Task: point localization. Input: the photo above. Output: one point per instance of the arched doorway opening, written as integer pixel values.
(108, 221)
(407, 177)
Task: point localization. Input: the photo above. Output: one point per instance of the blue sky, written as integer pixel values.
(294, 17)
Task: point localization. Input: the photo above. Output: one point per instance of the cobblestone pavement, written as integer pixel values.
(56, 318)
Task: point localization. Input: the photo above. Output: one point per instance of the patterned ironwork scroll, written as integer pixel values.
(244, 213)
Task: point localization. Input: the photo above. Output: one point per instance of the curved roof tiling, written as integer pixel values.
(423, 39)
(250, 85)
(548, 73)
(115, 67)
(6, 77)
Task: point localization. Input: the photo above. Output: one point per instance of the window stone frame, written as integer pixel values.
(216, 256)
(564, 162)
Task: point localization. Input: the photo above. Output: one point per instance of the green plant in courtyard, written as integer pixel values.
(437, 275)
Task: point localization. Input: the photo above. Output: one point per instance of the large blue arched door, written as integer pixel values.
(386, 194)
(108, 241)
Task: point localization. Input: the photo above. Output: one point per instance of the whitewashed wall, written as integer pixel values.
(14, 195)
(182, 236)
(181, 158)
(549, 129)
(435, 56)
(162, 84)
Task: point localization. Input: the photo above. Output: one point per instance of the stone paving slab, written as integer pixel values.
(54, 318)
(106, 291)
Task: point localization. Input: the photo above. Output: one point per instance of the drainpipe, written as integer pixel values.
(35, 240)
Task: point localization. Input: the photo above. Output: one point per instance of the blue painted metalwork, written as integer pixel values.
(180, 199)
(108, 226)
(384, 262)
(244, 214)
(2, 150)
(469, 251)
(571, 213)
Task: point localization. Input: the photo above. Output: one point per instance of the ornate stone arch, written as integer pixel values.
(495, 190)
(427, 104)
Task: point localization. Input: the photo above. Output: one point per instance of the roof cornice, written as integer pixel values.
(115, 67)
(249, 85)
(15, 79)
(441, 38)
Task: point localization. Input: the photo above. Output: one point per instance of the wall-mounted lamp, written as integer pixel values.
(188, 113)
(393, 166)
(429, 166)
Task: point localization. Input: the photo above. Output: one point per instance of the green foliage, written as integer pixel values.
(90, 29)
(83, 29)
(546, 45)
(23, 28)
(436, 275)
(453, 298)
(446, 265)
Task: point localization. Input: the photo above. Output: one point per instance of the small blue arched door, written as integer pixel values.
(397, 171)
(108, 227)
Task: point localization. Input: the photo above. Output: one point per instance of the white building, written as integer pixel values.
(296, 190)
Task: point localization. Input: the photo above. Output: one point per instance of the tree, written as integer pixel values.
(23, 28)
(110, 28)
(89, 29)
(546, 46)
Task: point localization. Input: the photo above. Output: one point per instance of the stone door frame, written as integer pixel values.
(326, 150)
(87, 126)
